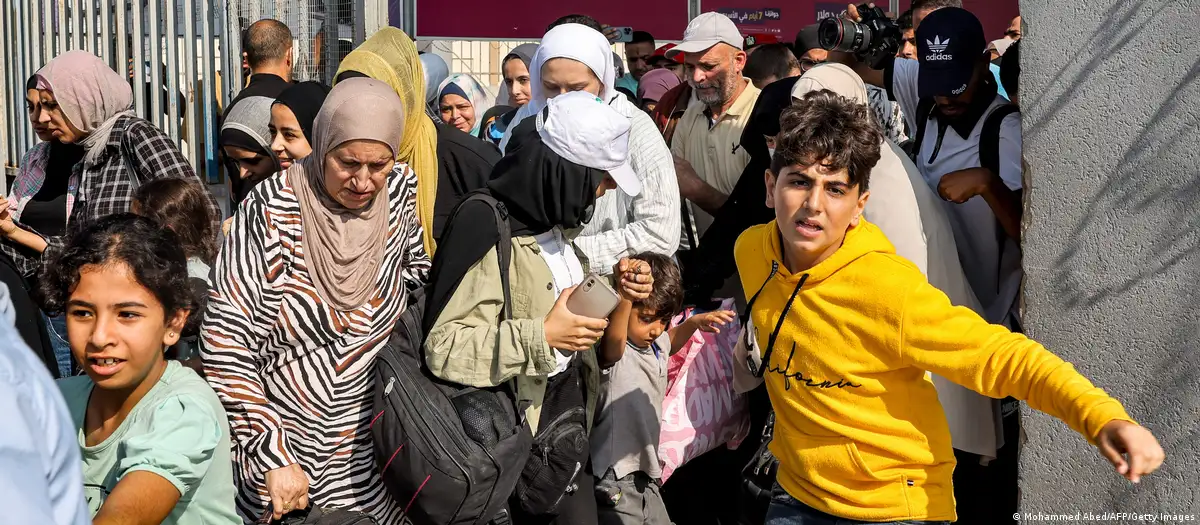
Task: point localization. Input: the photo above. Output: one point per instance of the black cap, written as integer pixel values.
(949, 44)
(807, 39)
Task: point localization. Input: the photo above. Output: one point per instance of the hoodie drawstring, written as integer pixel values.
(766, 358)
(787, 307)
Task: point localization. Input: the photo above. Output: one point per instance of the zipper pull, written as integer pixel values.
(387, 390)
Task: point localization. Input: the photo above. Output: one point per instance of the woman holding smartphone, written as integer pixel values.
(548, 184)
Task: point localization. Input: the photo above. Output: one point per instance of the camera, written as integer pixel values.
(874, 40)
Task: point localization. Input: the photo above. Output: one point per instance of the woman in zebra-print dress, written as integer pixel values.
(312, 278)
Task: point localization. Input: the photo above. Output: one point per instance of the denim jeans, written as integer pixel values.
(56, 328)
(786, 510)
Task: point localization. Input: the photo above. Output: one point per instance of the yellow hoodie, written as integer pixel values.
(859, 432)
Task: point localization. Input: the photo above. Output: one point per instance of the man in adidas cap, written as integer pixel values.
(967, 146)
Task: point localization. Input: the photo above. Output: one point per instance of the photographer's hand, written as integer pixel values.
(869, 75)
(852, 12)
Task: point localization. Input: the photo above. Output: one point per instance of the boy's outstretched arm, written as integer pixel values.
(1131, 448)
(705, 322)
(957, 344)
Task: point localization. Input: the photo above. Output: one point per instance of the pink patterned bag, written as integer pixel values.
(701, 411)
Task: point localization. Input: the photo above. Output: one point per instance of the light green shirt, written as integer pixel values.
(178, 431)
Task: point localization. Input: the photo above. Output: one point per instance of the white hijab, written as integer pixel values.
(576, 42)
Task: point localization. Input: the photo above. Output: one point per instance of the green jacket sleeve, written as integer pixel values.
(468, 346)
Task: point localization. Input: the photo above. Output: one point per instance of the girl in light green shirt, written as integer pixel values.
(153, 436)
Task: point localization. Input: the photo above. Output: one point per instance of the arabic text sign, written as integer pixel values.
(829, 9)
(754, 19)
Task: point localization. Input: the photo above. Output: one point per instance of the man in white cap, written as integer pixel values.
(707, 142)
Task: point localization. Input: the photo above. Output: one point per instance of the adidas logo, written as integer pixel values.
(937, 45)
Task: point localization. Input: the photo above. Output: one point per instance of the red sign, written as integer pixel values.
(665, 19)
(527, 19)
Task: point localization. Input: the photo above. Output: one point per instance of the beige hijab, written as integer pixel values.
(91, 94)
(343, 248)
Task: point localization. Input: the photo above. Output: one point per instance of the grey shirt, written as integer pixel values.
(626, 434)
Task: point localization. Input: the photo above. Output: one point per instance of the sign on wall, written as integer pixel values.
(527, 20)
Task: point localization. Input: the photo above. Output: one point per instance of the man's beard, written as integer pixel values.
(716, 97)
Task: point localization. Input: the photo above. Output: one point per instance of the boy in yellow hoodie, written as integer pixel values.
(845, 330)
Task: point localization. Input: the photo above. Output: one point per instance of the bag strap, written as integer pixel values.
(924, 111)
(503, 246)
(989, 137)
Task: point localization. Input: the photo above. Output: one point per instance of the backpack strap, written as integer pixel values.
(920, 119)
(503, 246)
(989, 137)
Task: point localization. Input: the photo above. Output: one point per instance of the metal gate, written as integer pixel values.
(185, 55)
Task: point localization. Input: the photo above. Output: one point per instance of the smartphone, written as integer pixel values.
(624, 34)
(593, 298)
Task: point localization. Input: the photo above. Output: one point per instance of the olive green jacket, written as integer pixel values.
(467, 346)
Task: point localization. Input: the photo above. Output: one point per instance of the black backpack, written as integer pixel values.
(560, 448)
(989, 136)
(451, 453)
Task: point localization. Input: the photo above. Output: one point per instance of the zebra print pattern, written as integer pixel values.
(295, 375)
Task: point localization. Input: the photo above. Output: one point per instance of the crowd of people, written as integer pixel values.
(866, 222)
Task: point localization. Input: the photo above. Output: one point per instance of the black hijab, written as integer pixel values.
(539, 190)
(304, 99)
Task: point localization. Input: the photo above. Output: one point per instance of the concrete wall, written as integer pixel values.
(1111, 104)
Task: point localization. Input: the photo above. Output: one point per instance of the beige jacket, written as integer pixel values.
(468, 346)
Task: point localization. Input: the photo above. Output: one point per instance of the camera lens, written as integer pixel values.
(837, 34)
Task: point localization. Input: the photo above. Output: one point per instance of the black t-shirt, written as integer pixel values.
(261, 85)
(464, 165)
(46, 210)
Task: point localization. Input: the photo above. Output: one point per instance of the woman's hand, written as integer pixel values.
(226, 225)
(288, 489)
(7, 225)
(571, 332)
(634, 282)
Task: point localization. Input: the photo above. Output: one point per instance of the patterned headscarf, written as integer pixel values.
(467, 87)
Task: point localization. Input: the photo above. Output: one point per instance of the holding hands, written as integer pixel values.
(633, 279)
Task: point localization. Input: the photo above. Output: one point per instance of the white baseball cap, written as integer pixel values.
(582, 129)
(705, 31)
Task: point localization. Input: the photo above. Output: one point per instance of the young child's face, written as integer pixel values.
(644, 327)
(117, 328)
(814, 206)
